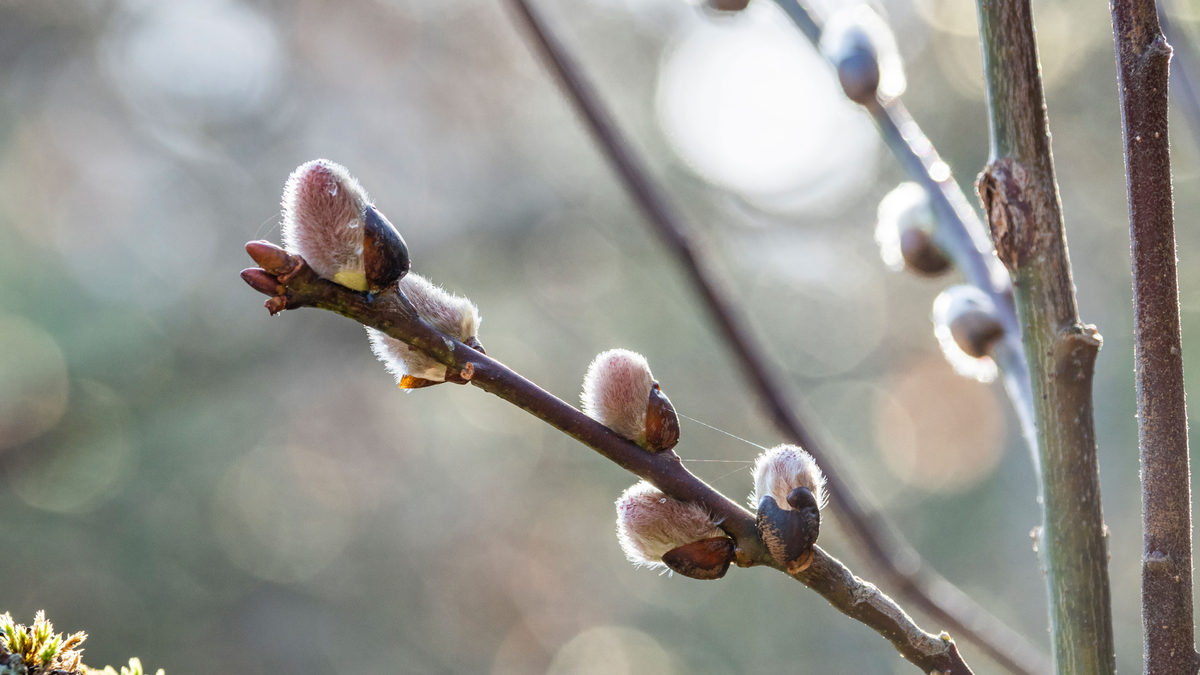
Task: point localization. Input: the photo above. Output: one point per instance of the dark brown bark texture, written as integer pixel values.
(1143, 58)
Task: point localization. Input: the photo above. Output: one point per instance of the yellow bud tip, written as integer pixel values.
(353, 280)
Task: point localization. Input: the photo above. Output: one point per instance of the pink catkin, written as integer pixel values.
(322, 212)
(451, 314)
(616, 391)
(649, 524)
(782, 469)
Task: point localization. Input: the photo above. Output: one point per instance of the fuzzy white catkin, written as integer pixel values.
(905, 207)
(782, 469)
(649, 524)
(616, 392)
(857, 25)
(322, 221)
(948, 304)
(451, 314)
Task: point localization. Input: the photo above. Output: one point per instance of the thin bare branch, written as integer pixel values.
(297, 285)
(963, 237)
(1143, 58)
(1020, 196)
(902, 568)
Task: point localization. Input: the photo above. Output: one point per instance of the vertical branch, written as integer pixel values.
(894, 558)
(1020, 197)
(1143, 58)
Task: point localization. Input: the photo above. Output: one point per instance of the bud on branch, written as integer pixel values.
(967, 325)
(620, 392)
(710, 531)
(789, 491)
(861, 46)
(656, 531)
(905, 232)
(453, 315)
(329, 219)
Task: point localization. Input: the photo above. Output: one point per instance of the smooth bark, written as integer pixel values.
(1143, 62)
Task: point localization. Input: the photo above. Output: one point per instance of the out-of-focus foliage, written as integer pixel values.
(37, 650)
(188, 480)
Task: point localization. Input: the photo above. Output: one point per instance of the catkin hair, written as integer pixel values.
(451, 314)
(322, 219)
(616, 391)
(649, 524)
(784, 468)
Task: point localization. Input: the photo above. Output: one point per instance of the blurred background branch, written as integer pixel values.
(958, 231)
(872, 534)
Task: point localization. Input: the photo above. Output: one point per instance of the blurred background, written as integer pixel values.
(208, 488)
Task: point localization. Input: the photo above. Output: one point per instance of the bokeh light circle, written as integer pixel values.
(939, 432)
(221, 57)
(611, 650)
(33, 382)
(751, 106)
(83, 459)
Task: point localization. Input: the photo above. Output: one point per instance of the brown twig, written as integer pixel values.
(1143, 62)
(1020, 197)
(297, 285)
(915, 582)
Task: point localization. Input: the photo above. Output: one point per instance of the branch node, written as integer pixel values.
(1159, 48)
(1160, 562)
(1075, 352)
(1003, 188)
(276, 304)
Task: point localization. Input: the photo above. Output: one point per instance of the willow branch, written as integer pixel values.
(391, 312)
(959, 233)
(899, 564)
(1020, 197)
(963, 237)
(1143, 62)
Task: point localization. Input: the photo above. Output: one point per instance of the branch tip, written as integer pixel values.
(270, 257)
(276, 304)
(262, 281)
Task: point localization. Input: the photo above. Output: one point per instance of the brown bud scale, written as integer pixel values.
(474, 343)
(385, 255)
(270, 257)
(921, 255)
(662, 423)
(975, 331)
(728, 5)
(261, 281)
(276, 304)
(858, 73)
(705, 559)
(790, 534)
(410, 382)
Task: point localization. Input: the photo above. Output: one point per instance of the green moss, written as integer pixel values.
(38, 650)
